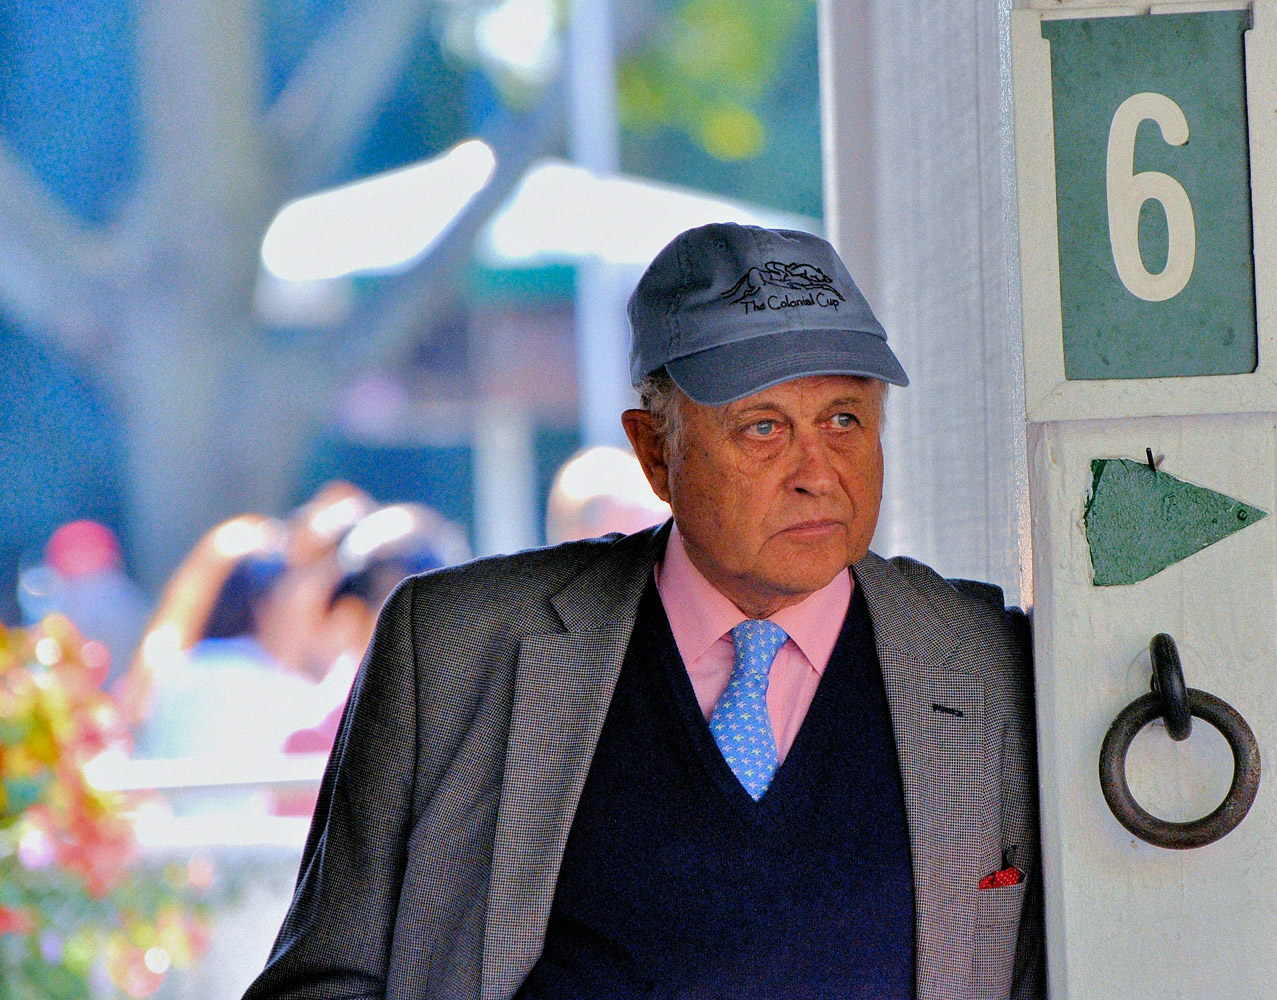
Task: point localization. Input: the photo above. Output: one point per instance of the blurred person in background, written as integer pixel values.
(82, 576)
(385, 548)
(316, 528)
(206, 682)
(230, 695)
(177, 622)
(598, 490)
(287, 623)
(292, 623)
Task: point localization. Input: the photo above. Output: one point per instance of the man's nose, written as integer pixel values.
(813, 470)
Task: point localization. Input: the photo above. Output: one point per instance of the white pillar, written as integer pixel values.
(918, 205)
(504, 465)
(602, 333)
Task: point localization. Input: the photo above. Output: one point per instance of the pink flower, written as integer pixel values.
(14, 921)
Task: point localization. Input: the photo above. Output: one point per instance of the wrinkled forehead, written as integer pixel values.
(807, 392)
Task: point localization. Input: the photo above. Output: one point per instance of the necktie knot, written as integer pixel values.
(756, 644)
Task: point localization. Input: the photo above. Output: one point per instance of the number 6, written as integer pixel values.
(1127, 192)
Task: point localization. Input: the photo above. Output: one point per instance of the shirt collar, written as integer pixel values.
(700, 615)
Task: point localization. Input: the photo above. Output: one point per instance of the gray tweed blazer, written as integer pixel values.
(431, 862)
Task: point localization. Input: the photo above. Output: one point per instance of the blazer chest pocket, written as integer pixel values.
(997, 928)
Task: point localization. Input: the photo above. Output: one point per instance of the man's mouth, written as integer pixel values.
(812, 529)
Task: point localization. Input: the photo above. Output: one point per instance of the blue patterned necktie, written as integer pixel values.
(740, 724)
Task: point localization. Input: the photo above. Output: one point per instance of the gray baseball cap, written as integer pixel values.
(729, 310)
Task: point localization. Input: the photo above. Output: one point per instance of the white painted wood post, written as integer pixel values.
(1126, 918)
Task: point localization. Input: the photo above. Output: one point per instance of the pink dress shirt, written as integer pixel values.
(701, 619)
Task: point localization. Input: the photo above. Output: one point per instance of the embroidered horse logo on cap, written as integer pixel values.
(798, 277)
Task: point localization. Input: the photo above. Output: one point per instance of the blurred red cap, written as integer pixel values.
(82, 547)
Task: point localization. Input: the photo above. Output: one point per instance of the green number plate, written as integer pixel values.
(1153, 194)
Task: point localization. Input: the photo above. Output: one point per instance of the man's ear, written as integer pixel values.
(649, 446)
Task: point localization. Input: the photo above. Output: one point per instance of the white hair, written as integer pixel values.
(664, 401)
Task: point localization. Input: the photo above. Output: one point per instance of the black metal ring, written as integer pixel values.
(1198, 832)
(1168, 681)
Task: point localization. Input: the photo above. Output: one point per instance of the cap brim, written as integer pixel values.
(730, 372)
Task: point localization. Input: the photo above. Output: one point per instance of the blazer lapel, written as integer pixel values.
(563, 686)
(937, 713)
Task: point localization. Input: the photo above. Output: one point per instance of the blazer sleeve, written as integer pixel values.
(336, 939)
(1019, 783)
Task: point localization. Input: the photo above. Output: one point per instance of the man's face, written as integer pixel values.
(776, 493)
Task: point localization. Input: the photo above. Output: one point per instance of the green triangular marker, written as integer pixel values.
(1139, 520)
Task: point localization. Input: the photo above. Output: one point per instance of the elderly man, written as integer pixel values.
(738, 756)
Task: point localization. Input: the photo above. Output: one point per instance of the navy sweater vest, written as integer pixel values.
(675, 883)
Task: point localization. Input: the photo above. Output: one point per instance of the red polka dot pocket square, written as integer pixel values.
(1002, 878)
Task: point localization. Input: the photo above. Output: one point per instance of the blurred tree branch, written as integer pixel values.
(51, 264)
(390, 326)
(430, 288)
(317, 121)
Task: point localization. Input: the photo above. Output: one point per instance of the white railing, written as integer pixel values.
(226, 798)
(118, 773)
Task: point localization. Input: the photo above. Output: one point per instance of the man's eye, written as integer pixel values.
(844, 420)
(762, 428)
